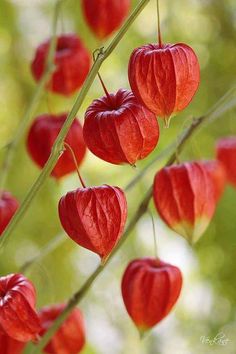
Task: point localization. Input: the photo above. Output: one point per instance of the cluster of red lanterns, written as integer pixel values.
(20, 322)
(120, 128)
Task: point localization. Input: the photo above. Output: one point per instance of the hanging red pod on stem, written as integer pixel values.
(42, 135)
(226, 154)
(94, 217)
(164, 77)
(18, 318)
(70, 337)
(8, 207)
(118, 129)
(150, 289)
(105, 16)
(9, 345)
(72, 61)
(185, 198)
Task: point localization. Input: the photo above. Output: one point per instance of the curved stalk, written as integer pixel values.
(67, 146)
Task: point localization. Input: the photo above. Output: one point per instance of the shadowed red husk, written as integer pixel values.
(94, 217)
(164, 78)
(119, 129)
(218, 174)
(9, 345)
(72, 61)
(70, 337)
(42, 135)
(226, 153)
(8, 207)
(105, 16)
(18, 318)
(184, 196)
(150, 289)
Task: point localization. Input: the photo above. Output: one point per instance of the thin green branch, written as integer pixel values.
(159, 24)
(143, 207)
(11, 147)
(58, 145)
(154, 233)
(47, 249)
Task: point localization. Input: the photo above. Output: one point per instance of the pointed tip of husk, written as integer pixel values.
(143, 332)
(133, 165)
(104, 259)
(167, 122)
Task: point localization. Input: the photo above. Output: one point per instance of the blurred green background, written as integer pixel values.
(208, 302)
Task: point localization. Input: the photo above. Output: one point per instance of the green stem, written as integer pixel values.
(104, 88)
(154, 233)
(143, 207)
(58, 145)
(159, 25)
(47, 249)
(11, 147)
(76, 163)
(70, 306)
(101, 81)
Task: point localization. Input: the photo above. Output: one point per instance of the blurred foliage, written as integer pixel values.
(208, 302)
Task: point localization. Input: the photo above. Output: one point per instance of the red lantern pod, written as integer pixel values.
(94, 217)
(70, 337)
(8, 207)
(150, 289)
(42, 136)
(105, 16)
(184, 196)
(9, 345)
(18, 318)
(226, 153)
(217, 172)
(118, 129)
(72, 62)
(164, 77)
